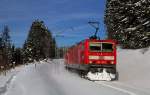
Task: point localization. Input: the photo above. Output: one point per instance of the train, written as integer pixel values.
(94, 56)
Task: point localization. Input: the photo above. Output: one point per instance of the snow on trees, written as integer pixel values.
(5, 47)
(39, 44)
(128, 21)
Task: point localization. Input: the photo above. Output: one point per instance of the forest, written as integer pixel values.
(39, 45)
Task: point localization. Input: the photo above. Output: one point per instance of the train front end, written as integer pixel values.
(101, 59)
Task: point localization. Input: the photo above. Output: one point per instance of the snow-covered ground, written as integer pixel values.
(134, 68)
(50, 78)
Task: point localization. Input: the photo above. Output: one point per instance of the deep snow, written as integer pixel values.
(50, 78)
(134, 68)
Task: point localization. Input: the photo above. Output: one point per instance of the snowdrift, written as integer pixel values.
(134, 67)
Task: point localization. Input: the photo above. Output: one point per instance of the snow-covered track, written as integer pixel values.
(4, 88)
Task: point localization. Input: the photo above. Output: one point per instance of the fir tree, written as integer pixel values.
(53, 48)
(18, 57)
(128, 22)
(6, 45)
(39, 43)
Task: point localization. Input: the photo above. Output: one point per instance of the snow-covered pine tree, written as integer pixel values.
(128, 21)
(39, 43)
(53, 48)
(6, 45)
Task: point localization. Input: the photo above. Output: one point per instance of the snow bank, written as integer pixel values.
(134, 68)
(6, 78)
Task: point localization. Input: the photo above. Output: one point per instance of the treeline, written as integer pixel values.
(6, 49)
(61, 52)
(39, 45)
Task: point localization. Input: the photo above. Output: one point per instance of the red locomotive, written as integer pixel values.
(92, 55)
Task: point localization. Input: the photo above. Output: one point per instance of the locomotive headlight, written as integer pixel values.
(112, 62)
(108, 57)
(90, 62)
(93, 57)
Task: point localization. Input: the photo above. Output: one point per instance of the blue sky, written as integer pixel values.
(62, 17)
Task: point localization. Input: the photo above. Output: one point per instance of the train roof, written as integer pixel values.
(95, 40)
(98, 40)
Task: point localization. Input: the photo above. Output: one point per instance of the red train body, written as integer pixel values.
(92, 55)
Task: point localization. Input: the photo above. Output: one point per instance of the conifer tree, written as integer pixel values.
(18, 56)
(6, 45)
(39, 44)
(128, 21)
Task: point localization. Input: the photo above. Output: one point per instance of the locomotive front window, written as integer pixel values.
(107, 47)
(95, 46)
